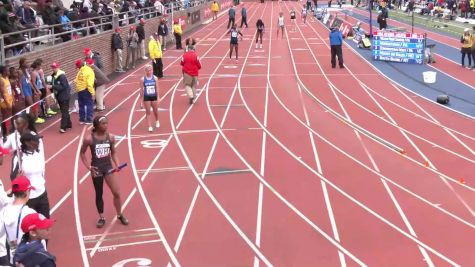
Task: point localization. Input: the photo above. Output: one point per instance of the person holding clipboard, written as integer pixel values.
(104, 163)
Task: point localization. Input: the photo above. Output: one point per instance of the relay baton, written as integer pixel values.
(120, 167)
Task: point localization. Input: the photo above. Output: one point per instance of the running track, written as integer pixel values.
(282, 161)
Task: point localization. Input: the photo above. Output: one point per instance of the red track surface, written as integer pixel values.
(259, 172)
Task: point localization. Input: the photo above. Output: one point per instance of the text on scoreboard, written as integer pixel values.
(398, 47)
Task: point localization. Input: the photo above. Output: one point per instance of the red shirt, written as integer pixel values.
(191, 63)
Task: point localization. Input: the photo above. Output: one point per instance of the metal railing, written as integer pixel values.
(59, 33)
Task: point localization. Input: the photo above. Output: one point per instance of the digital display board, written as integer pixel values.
(398, 47)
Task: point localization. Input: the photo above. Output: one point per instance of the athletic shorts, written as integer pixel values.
(150, 98)
(27, 91)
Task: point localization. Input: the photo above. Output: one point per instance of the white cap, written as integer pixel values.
(466, 30)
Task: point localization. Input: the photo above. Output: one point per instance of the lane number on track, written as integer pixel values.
(143, 262)
(155, 143)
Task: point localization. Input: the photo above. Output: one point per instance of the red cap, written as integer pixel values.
(35, 221)
(78, 63)
(90, 61)
(21, 184)
(175, 21)
(118, 30)
(4, 151)
(142, 21)
(55, 65)
(87, 51)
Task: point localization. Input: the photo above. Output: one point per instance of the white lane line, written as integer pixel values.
(201, 176)
(402, 130)
(60, 202)
(89, 237)
(154, 220)
(171, 169)
(106, 248)
(123, 101)
(61, 150)
(85, 260)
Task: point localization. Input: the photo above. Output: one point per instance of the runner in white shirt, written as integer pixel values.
(280, 25)
(33, 167)
(15, 211)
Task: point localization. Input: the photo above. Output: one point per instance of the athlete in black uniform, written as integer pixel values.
(103, 155)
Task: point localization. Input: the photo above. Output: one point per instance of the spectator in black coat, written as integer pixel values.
(62, 92)
(117, 47)
(48, 14)
(141, 33)
(162, 33)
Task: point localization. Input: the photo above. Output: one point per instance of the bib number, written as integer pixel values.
(234, 34)
(150, 89)
(102, 150)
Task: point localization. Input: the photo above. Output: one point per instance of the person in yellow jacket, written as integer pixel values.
(466, 41)
(155, 52)
(177, 32)
(85, 89)
(215, 10)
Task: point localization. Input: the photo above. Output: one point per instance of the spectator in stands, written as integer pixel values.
(15, 211)
(132, 44)
(66, 22)
(6, 100)
(162, 33)
(48, 14)
(100, 85)
(177, 32)
(141, 35)
(336, 40)
(159, 7)
(232, 16)
(85, 89)
(94, 55)
(215, 10)
(155, 52)
(31, 251)
(466, 49)
(9, 24)
(117, 47)
(62, 91)
(27, 15)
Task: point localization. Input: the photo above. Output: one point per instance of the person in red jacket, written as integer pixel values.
(191, 65)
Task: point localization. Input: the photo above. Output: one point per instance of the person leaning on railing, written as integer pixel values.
(117, 47)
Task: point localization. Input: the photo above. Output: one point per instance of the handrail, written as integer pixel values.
(105, 20)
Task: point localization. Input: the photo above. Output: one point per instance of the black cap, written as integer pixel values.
(26, 137)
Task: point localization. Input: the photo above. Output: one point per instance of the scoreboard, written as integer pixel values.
(398, 47)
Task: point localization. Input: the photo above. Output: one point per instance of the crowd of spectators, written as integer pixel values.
(83, 17)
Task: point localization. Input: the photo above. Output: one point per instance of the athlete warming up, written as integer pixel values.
(260, 32)
(234, 41)
(150, 96)
(280, 25)
(103, 152)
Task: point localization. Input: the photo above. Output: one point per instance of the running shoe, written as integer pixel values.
(157, 124)
(51, 112)
(62, 130)
(39, 120)
(81, 122)
(88, 122)
(123, 220)
(150, 129)
(101, 222)
(191, 100)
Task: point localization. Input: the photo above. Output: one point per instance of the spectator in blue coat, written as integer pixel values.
(336, 40)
